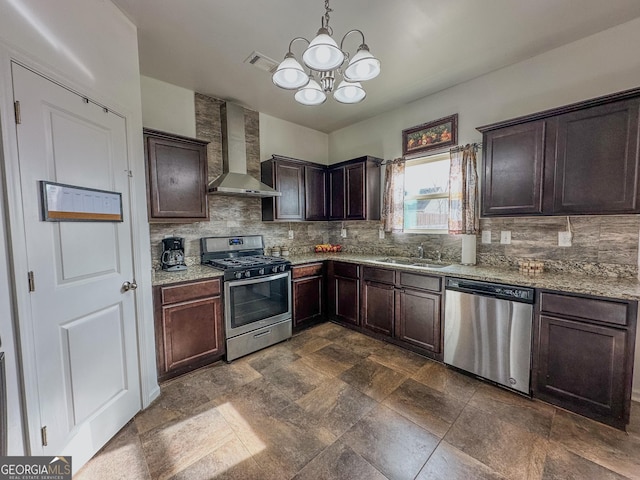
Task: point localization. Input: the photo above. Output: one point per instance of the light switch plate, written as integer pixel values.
(505, 237)
(290, 234)
(564, 239)
(486, 236)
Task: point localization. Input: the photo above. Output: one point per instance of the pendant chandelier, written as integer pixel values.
(324, 57)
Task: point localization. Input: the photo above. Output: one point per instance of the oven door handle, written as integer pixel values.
(265, 278)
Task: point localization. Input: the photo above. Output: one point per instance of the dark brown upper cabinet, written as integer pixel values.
(513, 168)
(335, 193)
(572, 160)
(354, 189)
(315, 192)
(345, 191)
(596, 160)
(176, 178)
(286, 175)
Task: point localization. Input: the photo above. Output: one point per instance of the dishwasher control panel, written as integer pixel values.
(508, 292)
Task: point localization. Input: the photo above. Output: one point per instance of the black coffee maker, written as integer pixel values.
(172, 259)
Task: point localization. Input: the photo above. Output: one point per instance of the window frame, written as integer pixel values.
(438, 157)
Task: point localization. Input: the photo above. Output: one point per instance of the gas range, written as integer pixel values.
(257, 291)
(240, 257)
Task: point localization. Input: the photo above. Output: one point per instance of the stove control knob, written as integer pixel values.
(282, 268)
(238, 274)
(247, 274)
(261, 271)
(274, 269)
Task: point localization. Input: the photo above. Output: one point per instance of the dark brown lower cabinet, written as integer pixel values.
(418, 311)
(418, 319)
(583, 355)
(378, 307)
(308, 295)
(189, 326)
(343, 292)
(404, 307)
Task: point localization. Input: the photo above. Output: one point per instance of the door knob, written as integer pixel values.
(126, 286)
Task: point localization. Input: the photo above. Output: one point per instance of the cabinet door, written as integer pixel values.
(355, 191)
(177, 178)
(418, 319)
(581, 367)
(307, 300)
(343, 299)
(336, 194)
(513, 170)
(289, 180)
(596, 164)
(315, 193)
(378, 307)
(192, 333)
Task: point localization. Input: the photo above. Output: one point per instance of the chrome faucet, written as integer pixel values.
(421, 250)
(439, 256)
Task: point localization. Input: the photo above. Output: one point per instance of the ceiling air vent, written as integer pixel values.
(261, 61)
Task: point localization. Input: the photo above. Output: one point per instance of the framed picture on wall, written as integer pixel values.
(436, 135)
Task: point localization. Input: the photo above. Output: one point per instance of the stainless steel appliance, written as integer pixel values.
(487, 331)
(257, 292)
(172, 258)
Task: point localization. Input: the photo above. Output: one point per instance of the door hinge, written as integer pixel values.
(32, 282)
(43, 434)
(16, 108)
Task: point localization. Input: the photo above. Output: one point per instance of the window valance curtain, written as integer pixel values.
(463, 191)
(393, 199)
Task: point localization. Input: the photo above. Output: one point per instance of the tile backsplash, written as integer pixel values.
(603, 245)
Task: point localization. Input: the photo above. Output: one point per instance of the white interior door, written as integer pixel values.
(83, 322)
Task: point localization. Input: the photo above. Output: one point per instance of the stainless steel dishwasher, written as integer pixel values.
(487, 331)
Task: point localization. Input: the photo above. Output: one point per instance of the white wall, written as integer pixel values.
(91, 47)
(292, 140)
(167, 107)
(171, 109)
(603, 63)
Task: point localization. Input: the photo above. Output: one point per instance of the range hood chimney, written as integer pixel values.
(234, 179)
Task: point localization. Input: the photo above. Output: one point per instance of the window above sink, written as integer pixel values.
(426, 195)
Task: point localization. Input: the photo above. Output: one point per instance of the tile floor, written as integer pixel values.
(335, 404)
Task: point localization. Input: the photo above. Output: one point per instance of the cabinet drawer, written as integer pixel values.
(606, 311)
(424, 282)
(347, 270)
(189, 291)
(380, 275)
(306, 270)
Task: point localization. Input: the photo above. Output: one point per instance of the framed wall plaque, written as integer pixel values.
(69, 203)
(434, 135)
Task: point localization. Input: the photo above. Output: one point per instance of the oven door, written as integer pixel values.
(256, 303)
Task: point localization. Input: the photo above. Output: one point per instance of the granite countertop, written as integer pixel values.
(193, 272)
(613, 287)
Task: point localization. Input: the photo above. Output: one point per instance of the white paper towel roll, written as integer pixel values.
(468, 249)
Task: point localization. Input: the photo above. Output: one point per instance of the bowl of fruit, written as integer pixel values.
(328, 248)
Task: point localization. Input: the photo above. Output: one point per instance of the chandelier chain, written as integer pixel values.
(326, 14)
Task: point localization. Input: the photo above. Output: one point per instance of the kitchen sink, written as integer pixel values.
(431, 265)
(412, 262)
(398, 261)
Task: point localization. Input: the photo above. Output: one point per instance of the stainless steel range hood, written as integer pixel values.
(235, 180)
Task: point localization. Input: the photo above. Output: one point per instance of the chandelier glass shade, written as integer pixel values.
(324, 56)
(311, 93)
(290, 74)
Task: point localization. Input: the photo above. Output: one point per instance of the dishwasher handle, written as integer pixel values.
(496, 290)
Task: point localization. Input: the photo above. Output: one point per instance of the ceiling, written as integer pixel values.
(424, 45)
